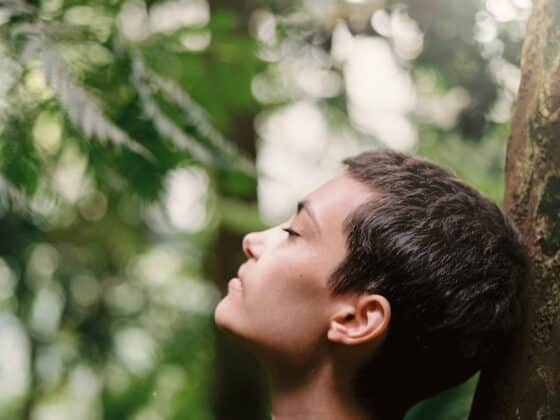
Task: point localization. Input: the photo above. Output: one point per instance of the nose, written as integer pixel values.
(248, 245)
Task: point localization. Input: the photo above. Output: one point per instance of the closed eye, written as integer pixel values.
(291, 232)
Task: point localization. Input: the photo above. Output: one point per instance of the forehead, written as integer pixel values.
(336, 199)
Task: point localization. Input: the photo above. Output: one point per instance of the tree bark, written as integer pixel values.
(526, 383)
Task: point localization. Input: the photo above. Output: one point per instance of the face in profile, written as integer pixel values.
(280, 304)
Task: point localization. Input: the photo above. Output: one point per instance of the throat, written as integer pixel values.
(317, 395)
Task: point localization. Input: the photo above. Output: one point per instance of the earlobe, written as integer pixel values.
(365, 319)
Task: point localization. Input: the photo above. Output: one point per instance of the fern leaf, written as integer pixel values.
(196, 116)
(145, 80)
(83, 109)
(12, 198)
(163, 124)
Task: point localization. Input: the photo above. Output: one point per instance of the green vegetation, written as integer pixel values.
(124, 133)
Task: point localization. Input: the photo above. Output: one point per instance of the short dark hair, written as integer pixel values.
(452, 264)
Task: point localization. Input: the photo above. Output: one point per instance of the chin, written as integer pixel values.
(225, 316)
(228, 319)
(219, 315)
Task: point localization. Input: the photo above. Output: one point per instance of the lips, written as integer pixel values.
(235, 283)
(239, 275)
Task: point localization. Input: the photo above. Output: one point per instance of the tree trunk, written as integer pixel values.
(239, 392)
(526, 383)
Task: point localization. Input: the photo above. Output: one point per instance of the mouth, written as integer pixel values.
(235, 283)
(239, 275)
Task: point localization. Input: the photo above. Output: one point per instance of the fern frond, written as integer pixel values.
(145, 81)
(12, 198)
(83, 109)
(163, 124)
(195, 115)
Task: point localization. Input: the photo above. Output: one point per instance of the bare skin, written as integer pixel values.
(308, 342)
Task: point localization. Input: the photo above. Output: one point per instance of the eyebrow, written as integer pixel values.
(305, 205)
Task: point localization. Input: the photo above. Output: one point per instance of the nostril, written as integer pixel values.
(246, 245)
(249, 253)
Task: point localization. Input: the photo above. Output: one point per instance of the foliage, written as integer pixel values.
(103, 104)
(95, 120)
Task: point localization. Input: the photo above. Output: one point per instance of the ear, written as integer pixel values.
(363, 318)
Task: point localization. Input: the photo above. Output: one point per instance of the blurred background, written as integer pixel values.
(140, 140)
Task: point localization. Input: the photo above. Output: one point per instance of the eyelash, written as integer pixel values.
(291, 232)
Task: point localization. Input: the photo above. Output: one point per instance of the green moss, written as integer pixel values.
(551, 49)
(549, 209)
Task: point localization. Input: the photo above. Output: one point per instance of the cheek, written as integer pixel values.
(290, 276)
(287, 306)
(290, 327)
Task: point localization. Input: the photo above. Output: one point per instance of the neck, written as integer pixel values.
(318, 394)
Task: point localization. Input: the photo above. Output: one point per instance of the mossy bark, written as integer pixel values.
(526, 383)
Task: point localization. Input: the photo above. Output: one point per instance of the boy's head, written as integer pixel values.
(415, 275)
